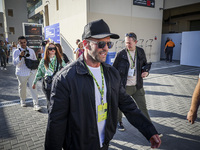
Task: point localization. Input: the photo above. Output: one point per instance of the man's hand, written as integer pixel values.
(191, 116)
(22, 53)
(144, 74)
(155, 141)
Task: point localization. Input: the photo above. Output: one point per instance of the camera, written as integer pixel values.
(27, 54)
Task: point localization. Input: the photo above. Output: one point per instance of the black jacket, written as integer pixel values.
(65, 58)
(72, 120)
(122, 64)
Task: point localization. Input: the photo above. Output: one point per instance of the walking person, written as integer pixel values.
(129, 63)
(169, 50)
(23, 73)
(85, 99)
(64, 56)
(49, 65)
(3, 55)
(9, 46)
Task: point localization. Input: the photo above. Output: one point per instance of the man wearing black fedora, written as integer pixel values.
(86, 96)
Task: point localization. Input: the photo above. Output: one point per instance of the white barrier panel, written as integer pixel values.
(190, 49)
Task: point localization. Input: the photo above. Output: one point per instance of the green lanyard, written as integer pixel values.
(52, 66)
(132, 61)
(100, 90)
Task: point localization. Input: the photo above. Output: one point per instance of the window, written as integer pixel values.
(12, 30)
(1, 24)
(57, 4)
(10, 12)
(195, 25)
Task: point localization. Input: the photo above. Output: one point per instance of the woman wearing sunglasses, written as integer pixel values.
(49, 65)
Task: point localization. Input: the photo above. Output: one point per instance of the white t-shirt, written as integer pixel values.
(101, 125)
(131, 80)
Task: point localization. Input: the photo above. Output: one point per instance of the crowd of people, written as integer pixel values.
(87, 97)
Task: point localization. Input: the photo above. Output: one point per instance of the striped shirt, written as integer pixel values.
(21, 69)
(42, 71)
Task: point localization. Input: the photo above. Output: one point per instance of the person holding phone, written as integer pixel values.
(129, 63)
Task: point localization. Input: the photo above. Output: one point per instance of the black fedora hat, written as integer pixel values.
(98, 29)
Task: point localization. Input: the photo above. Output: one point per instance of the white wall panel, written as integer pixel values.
(190, 49)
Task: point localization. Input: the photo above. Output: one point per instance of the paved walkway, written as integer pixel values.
(169, 88)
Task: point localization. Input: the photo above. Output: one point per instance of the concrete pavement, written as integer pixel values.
(169, 88)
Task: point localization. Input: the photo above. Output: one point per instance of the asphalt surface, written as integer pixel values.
(169, 89)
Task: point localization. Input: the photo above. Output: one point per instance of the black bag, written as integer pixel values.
(31, 64)
(147, 67)
(47, 80)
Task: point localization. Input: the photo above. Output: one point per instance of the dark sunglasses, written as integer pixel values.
(102, 44)
(52, 48)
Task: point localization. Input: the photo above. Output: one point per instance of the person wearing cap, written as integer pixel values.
(85, 99)
(129, 63)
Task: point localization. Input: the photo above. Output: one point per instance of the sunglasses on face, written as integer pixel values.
(102, 44)
(52, 48)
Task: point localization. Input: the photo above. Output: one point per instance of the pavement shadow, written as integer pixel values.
(165, 114)
(42, 104)
(7, 97)
(118, 146)
(5, 131)
(174, 138)
(165, 94)
(155, 84)
(179, 137)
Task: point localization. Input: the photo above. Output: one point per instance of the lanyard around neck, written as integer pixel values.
(132, 60)
(53, 66)
(100, 90)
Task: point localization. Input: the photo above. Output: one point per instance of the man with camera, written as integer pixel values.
(129, 63)
(23, 73)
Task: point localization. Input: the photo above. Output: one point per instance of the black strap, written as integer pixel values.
(56, 67)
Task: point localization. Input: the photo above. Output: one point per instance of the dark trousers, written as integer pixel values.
(105, 147)
(169, 54)
(139, 98)
(3, 61)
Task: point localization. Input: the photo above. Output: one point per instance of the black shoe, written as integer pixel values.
(121, 127)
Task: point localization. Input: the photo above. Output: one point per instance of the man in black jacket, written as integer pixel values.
(85, 99)
(129, 63)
